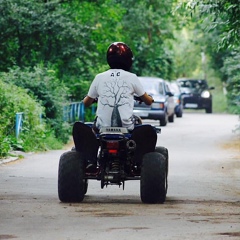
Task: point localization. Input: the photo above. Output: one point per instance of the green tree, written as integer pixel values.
(222, 15)
(38, 31)
(102, 26)
(231, 68)
(220, 20)
(147, 26)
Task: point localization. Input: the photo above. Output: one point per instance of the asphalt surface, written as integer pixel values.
(203, 200)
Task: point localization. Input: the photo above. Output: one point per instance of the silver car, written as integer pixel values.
(163, 107)
(178, 98)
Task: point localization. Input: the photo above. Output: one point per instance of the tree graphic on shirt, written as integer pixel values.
(115, 96)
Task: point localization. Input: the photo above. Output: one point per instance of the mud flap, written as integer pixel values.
(85, 141)
(146, 138)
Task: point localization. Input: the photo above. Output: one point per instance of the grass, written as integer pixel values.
(219, 101)
(219, 98)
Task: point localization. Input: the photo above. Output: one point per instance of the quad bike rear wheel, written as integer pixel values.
(71, 183)
(85, 182)
(164, 152)
(153, 178)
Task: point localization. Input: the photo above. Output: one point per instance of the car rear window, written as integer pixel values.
(151, 87)
(175, 88)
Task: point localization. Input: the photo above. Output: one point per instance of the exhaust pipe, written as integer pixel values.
(131, 145)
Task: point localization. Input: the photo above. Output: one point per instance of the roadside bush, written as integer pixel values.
(12, 100)
(232, 70)
(43, 85)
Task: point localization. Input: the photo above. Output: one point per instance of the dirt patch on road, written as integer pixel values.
(234, 147)
(230, 234)
(7, 237)
(234, 144)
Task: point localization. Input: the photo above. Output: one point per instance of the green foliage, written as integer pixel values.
(219, 99)
(5, 145)
(148, 37)
(232, 69)
(53, 49)
(74, 35)
(45, 87)
(222, 15)
(218, 29)
(39, 31)
(90, 113)
(12, 100)
(187, 60)
(78, 89)
(35, 134)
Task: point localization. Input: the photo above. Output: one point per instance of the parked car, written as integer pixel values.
(196, 94)
(178, 98)
(163, 107)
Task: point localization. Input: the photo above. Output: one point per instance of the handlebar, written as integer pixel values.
(95, 100)
(136, 98)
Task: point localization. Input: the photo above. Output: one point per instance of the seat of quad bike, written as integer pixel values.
(145, 137)
(85, 141)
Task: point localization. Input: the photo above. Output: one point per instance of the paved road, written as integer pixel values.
(203, 200)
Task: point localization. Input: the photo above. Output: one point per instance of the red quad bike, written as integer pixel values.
(119, 156)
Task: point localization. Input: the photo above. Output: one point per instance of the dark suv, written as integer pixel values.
(196, 94)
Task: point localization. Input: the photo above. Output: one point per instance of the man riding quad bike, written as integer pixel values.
(116, 147)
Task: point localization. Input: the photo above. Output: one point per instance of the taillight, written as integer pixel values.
(161, 105)
(112, 151)
(157, 105)
(113, 147)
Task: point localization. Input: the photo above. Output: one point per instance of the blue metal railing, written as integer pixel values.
(19, 121)
(75, 111)
(18, 124)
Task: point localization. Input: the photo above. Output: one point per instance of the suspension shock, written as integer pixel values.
(116, 165)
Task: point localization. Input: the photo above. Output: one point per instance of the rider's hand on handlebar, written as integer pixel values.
(151, 97)
(149, 102)
(95, 100)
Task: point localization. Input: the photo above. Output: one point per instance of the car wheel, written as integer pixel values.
(71, 183)
(179, 113)
(163, 121)
(171, 118)
(209, 109)
(153, 178)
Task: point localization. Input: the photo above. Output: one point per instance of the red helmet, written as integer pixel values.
(119, 56)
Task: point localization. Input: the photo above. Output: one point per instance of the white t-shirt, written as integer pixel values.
(115, 89)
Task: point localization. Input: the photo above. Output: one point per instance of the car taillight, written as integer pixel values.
(113, 147)
(157, 105)
(161, 105)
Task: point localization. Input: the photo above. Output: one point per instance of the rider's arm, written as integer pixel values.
(87, 101)
(147, 99)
